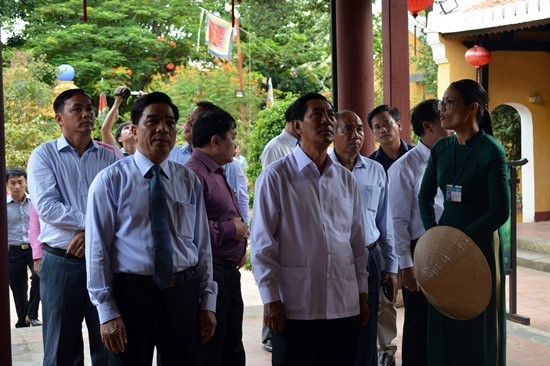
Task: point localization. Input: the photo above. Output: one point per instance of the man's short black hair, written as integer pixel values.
(15, 172)
(214, 122)
(119, 131)
(206, 105)
(151, 98)
(288, 113)
(299, 106)
(425, 111)
(394, 113)
(59, 102)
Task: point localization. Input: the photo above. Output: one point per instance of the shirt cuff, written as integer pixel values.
(406, 261)
(229, 229)
(208, 302)
(391, 265)
(107, 311)
(269, 294)
(37, 250)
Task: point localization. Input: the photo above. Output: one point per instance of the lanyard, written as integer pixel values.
(456, 175)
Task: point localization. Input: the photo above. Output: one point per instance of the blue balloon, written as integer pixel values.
(65, 72)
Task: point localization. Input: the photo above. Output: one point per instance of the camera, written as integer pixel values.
(125, 93)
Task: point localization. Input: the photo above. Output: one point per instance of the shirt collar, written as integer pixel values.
(204, 158)
(423, 150)
(302, 160)
(187, 148)
(144, 164)
(10, 199)
(359, 162)
(62, 143)
(289, 138)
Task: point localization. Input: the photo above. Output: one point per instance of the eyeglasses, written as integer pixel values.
(445, 104)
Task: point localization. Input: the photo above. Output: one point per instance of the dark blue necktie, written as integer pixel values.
(163, 270)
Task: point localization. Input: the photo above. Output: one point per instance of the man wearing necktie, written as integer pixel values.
(149, 257)
(214, 144)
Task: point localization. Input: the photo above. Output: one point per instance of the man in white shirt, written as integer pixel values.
(405, 176)
(135, 301)
(308, 247)
(281, 145)
(373, 182)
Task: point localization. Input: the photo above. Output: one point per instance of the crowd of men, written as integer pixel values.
(145, 243)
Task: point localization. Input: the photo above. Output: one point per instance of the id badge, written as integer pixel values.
(454, 193)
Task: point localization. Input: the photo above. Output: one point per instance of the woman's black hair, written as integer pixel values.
(471, 91)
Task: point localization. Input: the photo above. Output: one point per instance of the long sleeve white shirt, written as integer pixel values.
(307, 241)
(405, 177)
(279, 147)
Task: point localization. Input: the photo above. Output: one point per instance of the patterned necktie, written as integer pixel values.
(163, 271)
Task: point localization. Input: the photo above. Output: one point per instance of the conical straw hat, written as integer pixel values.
(452, 272)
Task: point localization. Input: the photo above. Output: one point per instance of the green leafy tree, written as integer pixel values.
(28, 107)
(426, 65)
(215, 82)
(507, 129)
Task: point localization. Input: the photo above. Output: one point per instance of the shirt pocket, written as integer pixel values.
(345, 290)
(372, 197)
(341, 214)
(185, 220)
(294, 287)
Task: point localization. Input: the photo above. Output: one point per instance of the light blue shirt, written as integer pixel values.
(234, 174)
(373, 184)
(180, 154)
(119, 235)
(58, 184)
(18, 220)
(307, 242)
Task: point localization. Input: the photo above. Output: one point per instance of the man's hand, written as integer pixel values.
(113, 335)
(241, 229)
(364, 308)
(274, 316)
(408, 278)
(37, 264)
(392, 279)
(207, 325)
(76, 246)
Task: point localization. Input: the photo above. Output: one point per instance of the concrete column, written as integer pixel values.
(395, 53)
(354, 61)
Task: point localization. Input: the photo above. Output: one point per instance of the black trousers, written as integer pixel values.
(415, 326)
(19, 261)
(316, 342)
(165, 319)
(226, 347)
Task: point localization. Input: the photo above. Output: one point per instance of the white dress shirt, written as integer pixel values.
(405, 177)
(119, 235)
(373, 184)
(307, 241)
(279, 147)
(58, 184)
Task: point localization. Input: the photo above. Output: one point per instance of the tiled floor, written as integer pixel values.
(537, 230)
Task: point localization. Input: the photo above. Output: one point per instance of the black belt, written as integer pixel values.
(224, 263)
(22, 246)
(60, 252)
(147, 281)
(372, 246)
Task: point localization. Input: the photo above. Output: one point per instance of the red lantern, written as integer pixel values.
(415, 7)
(478, 56)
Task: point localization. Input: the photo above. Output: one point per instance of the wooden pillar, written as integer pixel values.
(353, 63)
(5, 335)
(395, 53)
